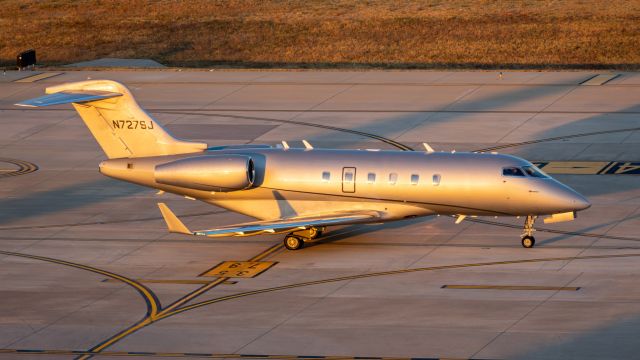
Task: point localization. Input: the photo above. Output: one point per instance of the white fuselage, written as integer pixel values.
(398, 184)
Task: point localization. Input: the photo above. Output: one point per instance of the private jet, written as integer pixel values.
(302, 191)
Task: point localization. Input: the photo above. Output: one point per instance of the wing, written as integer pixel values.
(272, 226)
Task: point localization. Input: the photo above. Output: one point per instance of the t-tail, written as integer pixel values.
(122, 128)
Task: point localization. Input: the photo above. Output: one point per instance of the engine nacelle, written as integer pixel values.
(219, 173)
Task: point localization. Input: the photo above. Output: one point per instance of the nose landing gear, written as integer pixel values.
(295, 240)
(528, 241)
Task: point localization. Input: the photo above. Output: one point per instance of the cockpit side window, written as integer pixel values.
(534, 172)
(512, 171)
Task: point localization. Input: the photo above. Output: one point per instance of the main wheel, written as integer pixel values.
(293, 242)
(528, 241)
(315, 233)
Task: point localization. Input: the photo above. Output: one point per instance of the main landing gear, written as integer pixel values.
(528, 241)
(295, 240)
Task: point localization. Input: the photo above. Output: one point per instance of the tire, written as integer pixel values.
(528, 242)
(293, 242)
(315, 233)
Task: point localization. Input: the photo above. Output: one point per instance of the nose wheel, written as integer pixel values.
(528, 241)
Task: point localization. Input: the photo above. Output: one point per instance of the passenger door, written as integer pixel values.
(349, 180)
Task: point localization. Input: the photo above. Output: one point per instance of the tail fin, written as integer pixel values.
(121, 127)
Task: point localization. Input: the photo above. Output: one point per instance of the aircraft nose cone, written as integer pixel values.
(565, 199)
(574, 201)
(580, 202)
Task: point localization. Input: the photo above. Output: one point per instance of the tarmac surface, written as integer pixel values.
(87, 266)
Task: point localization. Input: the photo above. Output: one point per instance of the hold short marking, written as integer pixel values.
(589, 167)
(239, 269)
(573, 167)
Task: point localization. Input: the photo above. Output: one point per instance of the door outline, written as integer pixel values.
(348, 187)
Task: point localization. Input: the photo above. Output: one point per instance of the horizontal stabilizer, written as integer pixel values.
(173, 223)
(66, 97)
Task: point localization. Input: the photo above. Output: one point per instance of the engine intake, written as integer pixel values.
(220, 173)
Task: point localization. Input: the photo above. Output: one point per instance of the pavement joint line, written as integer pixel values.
(517, 321)
(207, 355)
(291, 316)
(534, 115)
(178, 110)
(393, 272)
(104, 222)
(511, 287)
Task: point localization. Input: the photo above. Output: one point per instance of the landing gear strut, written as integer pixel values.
(528, 241)
(295, 240)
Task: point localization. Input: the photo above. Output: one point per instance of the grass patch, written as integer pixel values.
(388, 34)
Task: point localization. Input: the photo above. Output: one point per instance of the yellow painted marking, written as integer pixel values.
(151, 300)
(575, 167)
(177, 281)
(511, 287)
(38, 77)
(239, 269)
(386, 273)
(628, 168)
(172, 308)
(600, 79)
(607, 168)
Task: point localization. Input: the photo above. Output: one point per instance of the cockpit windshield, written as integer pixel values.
(524, 171)
(534, 172)
(512, 171)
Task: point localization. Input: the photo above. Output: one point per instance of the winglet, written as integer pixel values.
(173, 223)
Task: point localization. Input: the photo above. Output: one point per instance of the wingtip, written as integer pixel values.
(25, 105)
(173, 223)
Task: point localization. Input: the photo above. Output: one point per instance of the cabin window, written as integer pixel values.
(371, 178)
(512, 171)
(348, 176)
(326, 176)
(534, 172)
(129, 165)
(393, 178)
(436, 179)
(415, 178)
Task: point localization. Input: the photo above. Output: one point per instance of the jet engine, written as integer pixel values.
(219, 173)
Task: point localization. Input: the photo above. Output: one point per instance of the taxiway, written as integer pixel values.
(87, 267)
